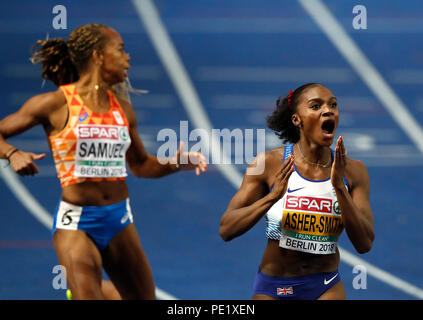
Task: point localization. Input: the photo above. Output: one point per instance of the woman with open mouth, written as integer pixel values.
(308, 193)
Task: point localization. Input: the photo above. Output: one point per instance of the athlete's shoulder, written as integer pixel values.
(124, 103)
(269, 156)
(46, 103)
(127, 109)
(265, 163)
(355, 165)
(356, 172)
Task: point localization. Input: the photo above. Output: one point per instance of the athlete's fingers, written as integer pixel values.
(339, 161)
(336, 152)
(343, 150)
(202, 157)
(338, 157)
(338, 142)
(195, 158)
(203, 167)
(338, 149)
(286, 164)
(181, 146)
(199, 157)
(281, 185)
(342, 153)
(289, 166)
(284, 169)
(335, 158)
(23, 171)
(288, 174)
(180, 151)
(288, 160)
(200, 167)
(37, 156)
(32, 168)
(282, 181)
(197, 171)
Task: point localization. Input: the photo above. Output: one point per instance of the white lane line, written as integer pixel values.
(364, 68)
(163, 295)
(39, 212)
(185, 89)
(180, 79)
(24, 196)
(369, 74)
(382, 275)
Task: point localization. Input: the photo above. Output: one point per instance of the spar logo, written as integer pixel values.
(313, 204)
(123, 132)
(108, 132)
(336, 208)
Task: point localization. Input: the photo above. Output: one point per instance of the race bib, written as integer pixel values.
(310, 225)
(100, 151)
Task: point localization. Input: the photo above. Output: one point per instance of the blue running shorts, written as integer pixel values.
(308, 287)
(100, 223)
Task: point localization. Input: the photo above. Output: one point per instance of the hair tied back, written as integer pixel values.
(289, 97)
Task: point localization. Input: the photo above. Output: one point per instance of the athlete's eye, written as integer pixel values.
(334, 105)
(315, 106)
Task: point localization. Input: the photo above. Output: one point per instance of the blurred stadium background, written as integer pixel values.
(239, 56)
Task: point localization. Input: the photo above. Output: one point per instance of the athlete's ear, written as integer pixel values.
(296, 120)
(97, 57)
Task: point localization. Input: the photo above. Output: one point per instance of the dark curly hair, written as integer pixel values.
(62, 60)
(280, 121)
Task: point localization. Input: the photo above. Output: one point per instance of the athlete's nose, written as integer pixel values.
(327, 110)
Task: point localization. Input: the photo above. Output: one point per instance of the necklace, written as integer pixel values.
(326, 165)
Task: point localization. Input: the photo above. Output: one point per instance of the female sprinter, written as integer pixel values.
(308, 194)
(92, 134)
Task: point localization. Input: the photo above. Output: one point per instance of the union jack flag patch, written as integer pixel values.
(284, 291)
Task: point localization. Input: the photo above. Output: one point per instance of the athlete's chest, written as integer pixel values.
(308, 216)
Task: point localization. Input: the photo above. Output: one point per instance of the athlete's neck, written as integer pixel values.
(313, 153)
(92, 89)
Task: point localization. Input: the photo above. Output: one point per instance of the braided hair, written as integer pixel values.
(280, 121)
(62, 60)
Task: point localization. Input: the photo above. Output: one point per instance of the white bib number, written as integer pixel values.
(100, 151)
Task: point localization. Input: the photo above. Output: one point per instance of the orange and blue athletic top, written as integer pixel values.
(92, 146)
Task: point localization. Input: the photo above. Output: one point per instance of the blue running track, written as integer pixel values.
(240, 56)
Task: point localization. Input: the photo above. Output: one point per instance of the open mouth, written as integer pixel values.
(328, 126)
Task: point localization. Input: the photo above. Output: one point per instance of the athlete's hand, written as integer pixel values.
(339, 163)
(280, 183)
(191, 160)
(23, 162)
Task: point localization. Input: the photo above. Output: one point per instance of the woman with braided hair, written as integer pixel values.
(92, 133)
(308, 194)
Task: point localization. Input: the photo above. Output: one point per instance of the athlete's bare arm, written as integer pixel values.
(48, 109)
(356, 212)
(253, 199)
(140, 162)
(143, 164)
